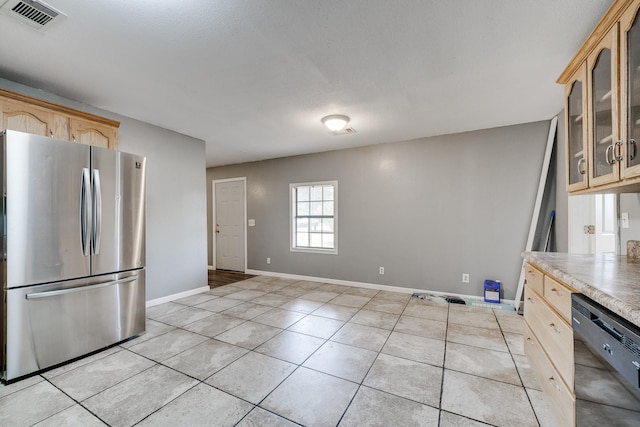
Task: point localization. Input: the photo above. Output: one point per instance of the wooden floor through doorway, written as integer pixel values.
(224, 277)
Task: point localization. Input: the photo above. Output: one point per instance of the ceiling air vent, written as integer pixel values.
(34, 13)
(345, 131)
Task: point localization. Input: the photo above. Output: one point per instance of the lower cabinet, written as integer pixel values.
(549, 341)
(559, 396)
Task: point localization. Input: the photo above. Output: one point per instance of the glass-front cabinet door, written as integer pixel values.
(576, 130)
(630, 91)
(604, 143)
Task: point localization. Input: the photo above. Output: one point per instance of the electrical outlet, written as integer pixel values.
(465, 278)
(268, 260)
(381, 270)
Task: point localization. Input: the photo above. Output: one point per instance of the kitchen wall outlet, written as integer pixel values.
(381, 270)
(465, 278)
(624, 219)
(252, 223)
(268, 260)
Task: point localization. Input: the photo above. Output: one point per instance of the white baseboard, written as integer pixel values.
(179, 295)
(211, 267)
(369, 285)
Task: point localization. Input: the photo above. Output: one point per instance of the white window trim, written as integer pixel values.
(292, 216)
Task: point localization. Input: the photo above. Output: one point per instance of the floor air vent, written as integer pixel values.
(35, 14)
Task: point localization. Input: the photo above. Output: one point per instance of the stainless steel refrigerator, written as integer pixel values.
(73, 242)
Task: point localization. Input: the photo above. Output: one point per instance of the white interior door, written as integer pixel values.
(593, 223)
(606, 223)
(229, 220)
(581, 215)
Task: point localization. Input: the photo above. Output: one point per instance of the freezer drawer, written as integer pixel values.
(50, 324)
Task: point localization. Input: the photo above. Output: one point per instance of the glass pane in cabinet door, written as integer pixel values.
(633, 109)
(602, 108)
(576, 129)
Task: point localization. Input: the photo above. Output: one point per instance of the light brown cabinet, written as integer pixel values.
(576, 130)
(549, 340)
(31, 115)
(91, 133)
(602, 105)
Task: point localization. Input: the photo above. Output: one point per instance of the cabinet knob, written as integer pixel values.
(554, 383)
(50, 133)
(553, 326)
(557, 292)
(581, 166)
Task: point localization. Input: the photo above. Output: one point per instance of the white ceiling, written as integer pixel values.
(253, 78)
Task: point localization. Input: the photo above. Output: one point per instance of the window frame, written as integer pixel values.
(293, 218)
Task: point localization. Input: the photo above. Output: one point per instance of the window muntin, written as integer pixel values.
(314, 215)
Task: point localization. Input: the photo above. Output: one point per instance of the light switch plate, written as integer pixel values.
(252, 223)
(624, 219)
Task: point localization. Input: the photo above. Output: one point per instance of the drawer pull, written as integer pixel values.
(530, 300)
(530, 341)
(557, 292)
(553, 326)
(554, 383)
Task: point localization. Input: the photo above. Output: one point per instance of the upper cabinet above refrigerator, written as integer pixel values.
(35, 116)
(608, 67)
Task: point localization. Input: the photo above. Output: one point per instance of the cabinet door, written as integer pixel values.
(576, 130)
(25, 118)
(630, 90)
(60, 127)
(603, 109)
(96, 134)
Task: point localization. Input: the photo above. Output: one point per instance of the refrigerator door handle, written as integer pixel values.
(97, 211)
(80, 288)
(85, 211)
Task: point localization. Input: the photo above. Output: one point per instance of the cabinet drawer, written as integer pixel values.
(560, 398)
(558, 296)
(534, 278)
(554, 334)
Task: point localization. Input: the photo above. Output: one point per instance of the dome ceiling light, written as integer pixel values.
(335, 122)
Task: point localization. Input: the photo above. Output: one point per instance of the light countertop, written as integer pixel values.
(610, 280)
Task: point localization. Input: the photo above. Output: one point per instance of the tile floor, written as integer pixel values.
(278, 352)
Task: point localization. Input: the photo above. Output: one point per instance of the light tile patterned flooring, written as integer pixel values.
(278, 352)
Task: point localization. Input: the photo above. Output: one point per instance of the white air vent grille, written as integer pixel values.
(34, 13)
(345, 131)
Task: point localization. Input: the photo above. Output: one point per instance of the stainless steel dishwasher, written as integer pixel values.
(607, 366)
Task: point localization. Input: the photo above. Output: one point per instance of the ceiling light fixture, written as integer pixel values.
(335, 122)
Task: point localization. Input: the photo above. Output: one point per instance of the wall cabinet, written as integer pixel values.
(549, 340)
(92, 133)
(31, 115)
(576, 130)
(602, 105)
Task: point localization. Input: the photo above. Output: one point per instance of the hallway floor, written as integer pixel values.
(278, 352)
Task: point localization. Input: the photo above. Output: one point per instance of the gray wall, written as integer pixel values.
(176, 223)
(427, 210)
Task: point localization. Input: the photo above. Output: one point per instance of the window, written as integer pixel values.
(314, 208)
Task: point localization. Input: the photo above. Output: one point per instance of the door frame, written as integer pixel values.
(213, 217)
